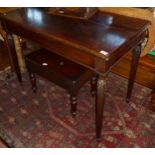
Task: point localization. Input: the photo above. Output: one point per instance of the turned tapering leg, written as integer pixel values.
(73, 100)
(33, 82)
(135, 58)
(100, 101)
(93, 83)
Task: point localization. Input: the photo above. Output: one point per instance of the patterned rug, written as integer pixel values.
(44, 119)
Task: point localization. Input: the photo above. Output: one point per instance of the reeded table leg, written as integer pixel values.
(100, 100)
(133, 69)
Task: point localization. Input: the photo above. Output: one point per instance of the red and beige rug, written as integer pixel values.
(44, 119)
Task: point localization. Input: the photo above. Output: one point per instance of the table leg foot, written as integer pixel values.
(127, 100)
(98, 140)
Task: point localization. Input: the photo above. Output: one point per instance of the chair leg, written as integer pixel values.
(73, 100)
(33, 81)
(93, 83)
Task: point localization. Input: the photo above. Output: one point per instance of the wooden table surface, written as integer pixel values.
(97, 43)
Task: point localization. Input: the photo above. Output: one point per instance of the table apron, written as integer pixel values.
(88, 60)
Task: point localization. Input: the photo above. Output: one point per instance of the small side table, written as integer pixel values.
(97, 44)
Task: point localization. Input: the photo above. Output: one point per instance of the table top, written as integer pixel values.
(104, 35)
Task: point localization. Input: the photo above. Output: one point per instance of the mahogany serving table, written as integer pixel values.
(97, 43)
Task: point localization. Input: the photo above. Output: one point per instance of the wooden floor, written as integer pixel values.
(145, 72)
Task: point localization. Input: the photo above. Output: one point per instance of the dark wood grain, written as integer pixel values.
(61, 71)
(83, 40)
(89, 37)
